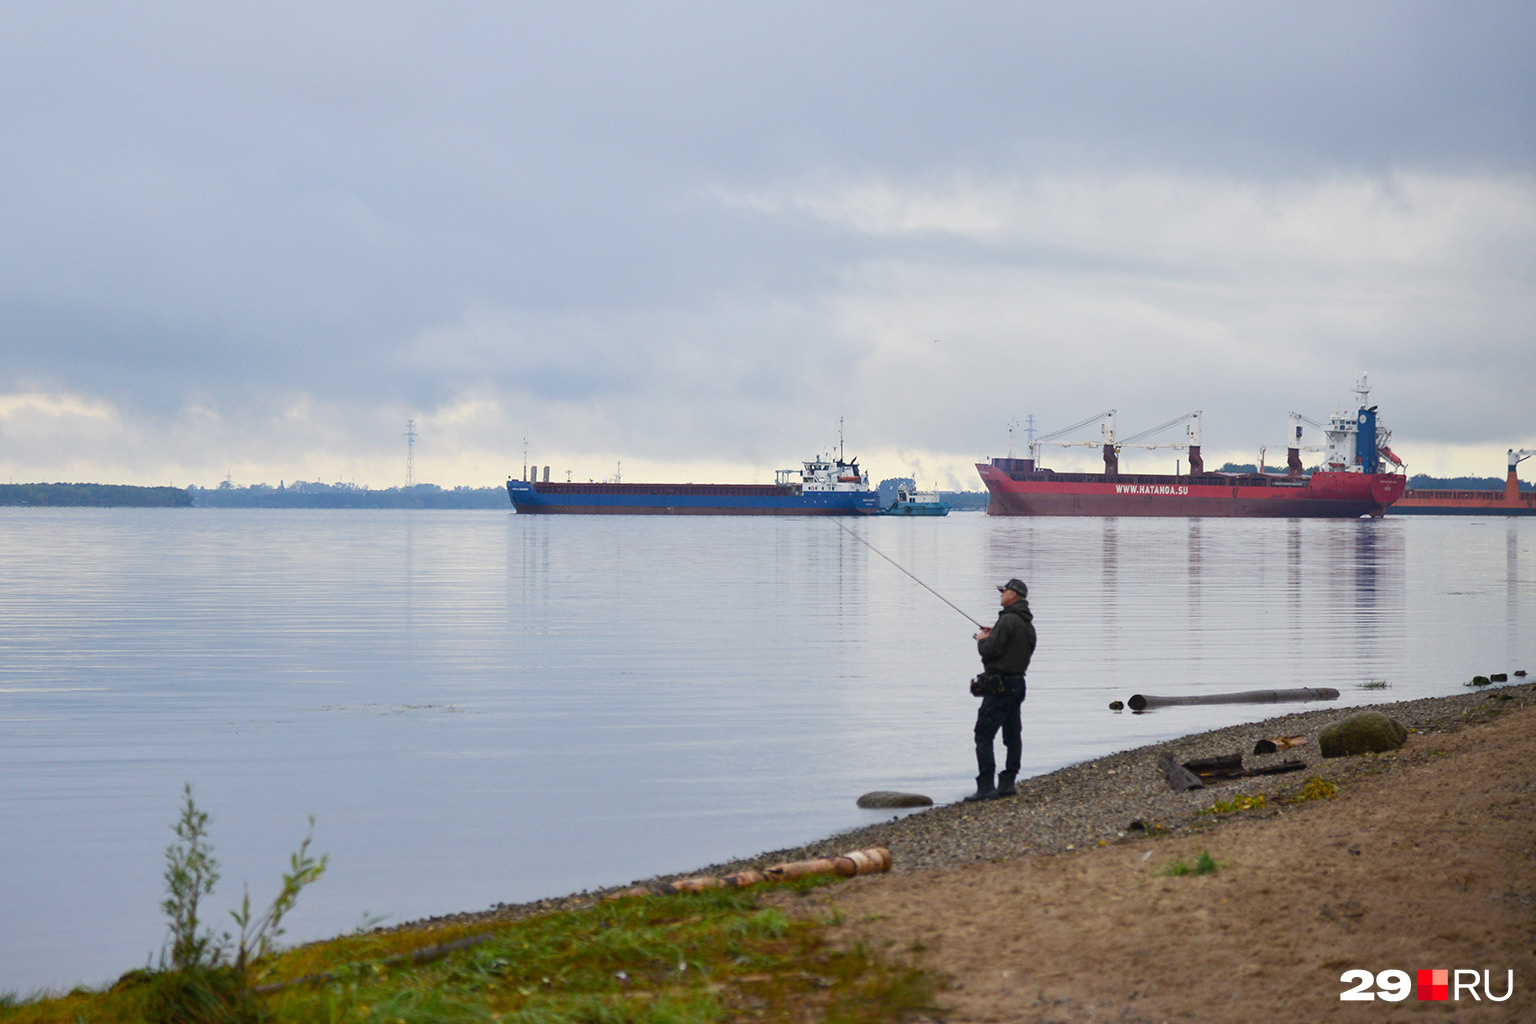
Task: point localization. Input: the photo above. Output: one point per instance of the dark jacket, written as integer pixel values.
(1007, 649)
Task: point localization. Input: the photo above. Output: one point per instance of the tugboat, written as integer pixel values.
(911, 502)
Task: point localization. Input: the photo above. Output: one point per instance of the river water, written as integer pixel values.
(479, 707)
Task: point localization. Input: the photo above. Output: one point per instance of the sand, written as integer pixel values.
(1423, 860)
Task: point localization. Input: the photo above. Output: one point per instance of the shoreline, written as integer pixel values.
(1086, 805)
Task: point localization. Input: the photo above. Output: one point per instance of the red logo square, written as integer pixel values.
(1434, 985)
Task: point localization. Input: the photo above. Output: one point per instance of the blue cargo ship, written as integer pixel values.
(822, 487)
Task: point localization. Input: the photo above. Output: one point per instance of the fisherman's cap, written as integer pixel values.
(1016, 585)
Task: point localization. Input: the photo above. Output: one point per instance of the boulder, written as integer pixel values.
(888, 798)
(1364, 732)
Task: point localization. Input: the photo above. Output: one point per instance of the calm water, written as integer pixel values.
(479, 707)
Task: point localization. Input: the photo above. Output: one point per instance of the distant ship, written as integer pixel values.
(1511, 501)
(823, 486)
(1352, 481)
(910, 502)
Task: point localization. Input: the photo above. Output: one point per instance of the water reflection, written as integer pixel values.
(1512, 586)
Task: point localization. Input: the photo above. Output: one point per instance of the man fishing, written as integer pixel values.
(1005, 652)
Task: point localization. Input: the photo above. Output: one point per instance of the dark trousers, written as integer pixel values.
(1000, 711)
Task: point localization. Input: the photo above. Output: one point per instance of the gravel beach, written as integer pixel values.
(1054, 907)
(1109, 799)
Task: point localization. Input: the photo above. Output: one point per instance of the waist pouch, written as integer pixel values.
(991, 684)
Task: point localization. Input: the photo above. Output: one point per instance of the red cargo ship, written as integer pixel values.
(1511, 501)
(1351, 482)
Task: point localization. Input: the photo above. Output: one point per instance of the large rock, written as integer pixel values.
(1364, 732)
(888, 798)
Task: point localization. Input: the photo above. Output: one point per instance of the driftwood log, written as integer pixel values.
(1224, 766)
(874, 860)
(1140, 702)
(1195, 774)
(1179, 777)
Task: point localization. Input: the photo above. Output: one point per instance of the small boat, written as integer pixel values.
(910, 502)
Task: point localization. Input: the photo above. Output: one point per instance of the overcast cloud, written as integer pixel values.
(254, 240)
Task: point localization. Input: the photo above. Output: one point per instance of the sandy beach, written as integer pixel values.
(1423, 860)
(1058, 904)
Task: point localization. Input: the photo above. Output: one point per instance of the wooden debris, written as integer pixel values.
(856, 862)
(1179, 777)
(1140, 702)
(1196, 773)
(1278, 743)
(1278, 768)
(1223, 766)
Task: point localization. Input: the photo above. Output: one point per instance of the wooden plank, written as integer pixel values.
(1179, 777)
(1225, 766)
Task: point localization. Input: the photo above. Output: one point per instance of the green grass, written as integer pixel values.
(1203, 865)
(684, 959)
(1237, 803)
(1315, 789)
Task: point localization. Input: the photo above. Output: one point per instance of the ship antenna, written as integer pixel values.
(914, 579)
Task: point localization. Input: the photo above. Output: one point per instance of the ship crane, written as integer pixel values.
(1191, 441)
(1111, 447)
(1512, 480)
(1293, 467)
(1110, 461)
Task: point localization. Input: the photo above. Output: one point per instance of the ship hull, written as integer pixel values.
(1319, 496)
(686, 500)
(917, 510)
(1463, 503)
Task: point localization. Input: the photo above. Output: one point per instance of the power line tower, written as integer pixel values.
(410, 453)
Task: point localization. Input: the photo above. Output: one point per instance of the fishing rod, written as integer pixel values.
(914, 579)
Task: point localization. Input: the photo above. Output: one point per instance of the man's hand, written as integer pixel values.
(986, 631)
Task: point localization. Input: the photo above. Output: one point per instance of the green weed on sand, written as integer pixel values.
(681, 959)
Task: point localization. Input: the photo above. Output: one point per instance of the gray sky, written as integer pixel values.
(254, 240)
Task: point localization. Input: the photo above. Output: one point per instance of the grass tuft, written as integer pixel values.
(1204, 865)
(1237, 803)
(1315, 789)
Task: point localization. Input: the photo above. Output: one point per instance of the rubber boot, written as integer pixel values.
(1005, 784)
(984, 789)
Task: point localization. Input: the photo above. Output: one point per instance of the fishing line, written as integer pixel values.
(914, 579)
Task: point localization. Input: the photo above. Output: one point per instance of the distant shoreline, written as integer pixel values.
(92, 496)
